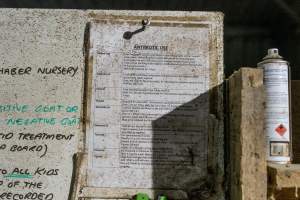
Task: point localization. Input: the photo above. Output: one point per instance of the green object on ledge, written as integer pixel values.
(161, 197)
(142, 196)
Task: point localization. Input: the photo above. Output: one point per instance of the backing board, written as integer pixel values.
(150, 102)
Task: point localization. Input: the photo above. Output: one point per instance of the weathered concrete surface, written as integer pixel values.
(49, 38)
(247, 168)
(283, 182)
(295, 105)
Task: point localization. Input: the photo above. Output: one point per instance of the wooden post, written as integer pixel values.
(247, 142)
(295, 121)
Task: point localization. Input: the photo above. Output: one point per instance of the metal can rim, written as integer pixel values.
(272, 61)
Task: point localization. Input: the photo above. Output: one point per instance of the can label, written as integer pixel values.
(279, 149)
(277, 116)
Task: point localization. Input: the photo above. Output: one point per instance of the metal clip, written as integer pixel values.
(128, 34)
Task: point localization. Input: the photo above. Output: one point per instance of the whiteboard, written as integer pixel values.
(41, 77)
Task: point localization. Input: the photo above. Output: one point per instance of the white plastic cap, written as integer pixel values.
(273, 53)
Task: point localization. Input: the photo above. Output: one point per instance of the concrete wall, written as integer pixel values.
(42, 111)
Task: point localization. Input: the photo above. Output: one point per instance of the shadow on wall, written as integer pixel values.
(187, 144)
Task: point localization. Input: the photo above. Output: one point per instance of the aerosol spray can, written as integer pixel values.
(277, 111)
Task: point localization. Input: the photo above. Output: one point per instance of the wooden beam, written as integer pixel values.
(247, 143)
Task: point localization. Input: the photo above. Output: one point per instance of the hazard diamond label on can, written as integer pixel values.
(281, 130)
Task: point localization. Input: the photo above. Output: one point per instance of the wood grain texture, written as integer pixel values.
(248, 176)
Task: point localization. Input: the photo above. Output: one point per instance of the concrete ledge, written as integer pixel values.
(283, 182)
